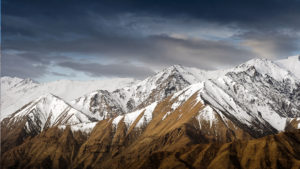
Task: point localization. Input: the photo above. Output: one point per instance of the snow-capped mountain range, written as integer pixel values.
(16, 92)
(261, 96)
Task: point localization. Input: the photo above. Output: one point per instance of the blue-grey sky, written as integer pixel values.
(90, 39)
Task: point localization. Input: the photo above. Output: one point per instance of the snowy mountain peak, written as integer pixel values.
(257, 63)
(10, 79)
(173, 68)
(16, 80)
(13, 82)
(28, 81)
(266, 67)
(44, 112)
(154, 88)
(50, 100)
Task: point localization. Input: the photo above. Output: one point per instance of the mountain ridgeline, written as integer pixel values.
(244, 117)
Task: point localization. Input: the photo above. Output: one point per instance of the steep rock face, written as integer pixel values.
(99, 105)
(43, 113)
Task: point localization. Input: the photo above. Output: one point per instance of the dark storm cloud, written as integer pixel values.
(45, 33)
(121, 70)
(235, 11)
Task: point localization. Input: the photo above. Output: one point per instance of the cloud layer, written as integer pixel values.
(136, 38)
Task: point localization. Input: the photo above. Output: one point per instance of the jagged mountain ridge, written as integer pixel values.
(103, 104)
(154, 88)
(176, 78)
(141, 94)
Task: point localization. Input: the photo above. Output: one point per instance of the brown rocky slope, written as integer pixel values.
(62, 149)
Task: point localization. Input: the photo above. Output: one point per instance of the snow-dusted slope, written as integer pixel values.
(259, 95)
(129, 118)
(47, 111)
(16, 92)
(292, 64)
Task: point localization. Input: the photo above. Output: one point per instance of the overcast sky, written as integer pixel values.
(92, 39)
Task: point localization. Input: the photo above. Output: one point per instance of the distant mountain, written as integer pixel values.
(16, 92)
(291, 64)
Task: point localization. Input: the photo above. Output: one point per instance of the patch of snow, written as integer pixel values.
(207, 114)
(117, 120)
(147, 116)
(83, 127)
(185, 94)
(179, 116)
(131, 117)
(167, 114)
